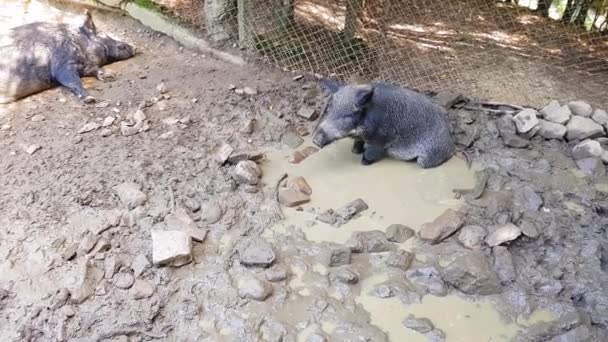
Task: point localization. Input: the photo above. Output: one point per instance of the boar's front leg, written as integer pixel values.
(372, 154)
(69, 77)
(358, 146)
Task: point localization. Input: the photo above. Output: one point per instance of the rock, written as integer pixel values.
(308, 113)
(526, 120)
(292, 139)
(300, 184)
(551, 130)
(110, 266)
(382, 291)
(254, 289)
(337, 256)
(328, 216)
(527, 199)
(162, 105)
(292, 198)
(505, 233)
(248, 127)
(38, 118)
(600, 116)
(427, 280)
(529, 229)
(276, 274)
(87, 243)
(162, 88)
(70, 252)
(250, 91)
(141, 289)
(211, 212)
(420, 325)
(472, 236)
(299, 156)
(139, 117)
(316, 337)
(580, 108)
(554, 112)
(171, 247)
(471, 274)
(130, 195)
(191, 204)
(127, 130)
(255, 251)
(591, 167)
(139, 265)
(223, 154)
(108, 121)
(91, 126)
(349, 210)
(90, 276)
(400, 259)
(123, 280)
(179, 220)
(448, 99)
(436, 335)
(580, 128)
(345, 274)
(104, 133)
(503, 264)
(247, 172)
(32, 149)
(374, 241)
(587, 149)
(515, 141)
(399, 233)
(235, 158)
(5, 127)
(442, 227)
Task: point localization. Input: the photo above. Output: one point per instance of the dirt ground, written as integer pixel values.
(75, 260)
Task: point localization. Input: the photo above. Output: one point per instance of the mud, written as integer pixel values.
(76, 261)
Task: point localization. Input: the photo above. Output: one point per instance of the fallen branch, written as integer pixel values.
(276, 195)
(493, 107)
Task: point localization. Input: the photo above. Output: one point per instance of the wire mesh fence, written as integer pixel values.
(507, 50)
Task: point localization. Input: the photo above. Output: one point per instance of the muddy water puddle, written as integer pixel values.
(396, 192)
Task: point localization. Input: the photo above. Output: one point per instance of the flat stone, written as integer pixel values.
(38, 118)
(139, 265)
(551, 130)
(211, 212)
(420, 325)
(503, 234)
(328, 216)
(110, 266)
(235, 158)
(580, 108)
(180, 220)
(141, 289)
(70, 252)
(587, 149)
(254, 289)
(447, 99)
(91, 126)
(591, 167)
(338, 255)
(515, 141)
(526, 120)
(247, 172)
(503, 264)
(130, 194)
(123, 280)
(89, 278)
(292, 198)
(374, 241)
(300, 184)
(292, 139)
(427, 280)
(276, 273)
(399, 233)
(308, 113)
(250, 91)
(349, 210)
(345, 274)
(555, 112)
(108, 121)
(442, 227)
(171, 247)
(32, 149)
(529, 229)
(223, 154)
(600, 116)
(87, 242)
(527, 199)
(255, 251)
(299, 156)
(471, 274)
(580, 128)
(400, 259)
(472, 236)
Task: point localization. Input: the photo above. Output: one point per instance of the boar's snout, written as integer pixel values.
(321, 139)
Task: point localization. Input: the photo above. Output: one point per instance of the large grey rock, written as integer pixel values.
(554, 112)
(421, 325)
(130, 194)
(427, 280)
(526, 120)
(471, 273)
(587, 149)
(503, 264)
(580, 108)
(255, 251)
(399, 233)
(247, 172)
(528, 199)
(580, 128)
(600, 116)
(442, 227)
(253, 288)
(591, 167)
(400, 259)
(374, 241)
(507, 130)
(551, 130)
(338, 255)
(171, 247)
(346, 274)
(472, 236)
(503, 234)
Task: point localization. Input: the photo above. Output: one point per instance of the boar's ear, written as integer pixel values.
(363, 95)
(88, 23)
(330, 85)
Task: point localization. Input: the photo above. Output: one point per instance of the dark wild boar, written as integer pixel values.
(385, 119)
(34, 57)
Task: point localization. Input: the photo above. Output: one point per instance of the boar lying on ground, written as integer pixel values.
(385, 120)
(34, 57)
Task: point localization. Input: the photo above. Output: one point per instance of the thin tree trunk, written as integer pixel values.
(581, 14)
(244, 23)
(570, 11)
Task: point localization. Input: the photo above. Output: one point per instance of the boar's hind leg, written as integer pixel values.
(372, 154)
(431, 159)
(358, 146)
(97, 72)
(70, 79)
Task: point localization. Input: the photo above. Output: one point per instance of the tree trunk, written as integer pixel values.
(216, 15)
(244, 23)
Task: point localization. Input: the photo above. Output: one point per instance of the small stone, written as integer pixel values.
(400, 259)
(32, 149)
(162, 88)
(292, 139)
(250, 91)
(308, 113)
(472, 236)
(38, 118)
(179, 220)
(292, 198)
(580, 108)
(255, 251)
(382, 291)
(555, 112)
(5, 127)
(316, 337)
(223, 154)
(300, 184)
(529, 229)
(70, 252)
(427, 279)
(254, 289)
(123, 280)
(235, 158)
(167, 135)
(399, 233)
(349, 210)
(171, 247)
(110, 266)
(276, 274)
(600, 116)
(139, 117)
(515, 141)
(374, 241)
(420, 325)
(299, 156)
(345, 274)
(127, 130)
(551, 130)
(503, 234)
(442, 227)
(328, 216)
(527, 199)
(91, 126)
(525, 120)
(591, 167)
(587, 149)
(248, 127)
(139, 265)
(503, 264)
(77, 139)
(247, 172)
(338, 256)
(471, 273)
(108, 121)
(130, 194)
(68, 311)
(141, 289)
(162, 105)
(87, 243)
(104, 133)
(580, 128)
(89, 278)
(211, 212)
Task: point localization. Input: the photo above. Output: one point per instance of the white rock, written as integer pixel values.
(252, 288)
(580, 128)
(224, 153)
(580, 108)
(600, 116)
(108, 121)
(166, 135)
(247, 172)
(5, 127)
(526, 120)
(91, 126)
(587, 149)
(551, 130)
(130, 194)
(38, 118)
(162, 88)
(139, 117)
(250, 91)
(180, 220)
(506, 233)
(141, 289)
(171, 247)
(32, 149)
(555, 113)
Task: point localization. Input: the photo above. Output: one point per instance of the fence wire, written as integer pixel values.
(526, 51)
